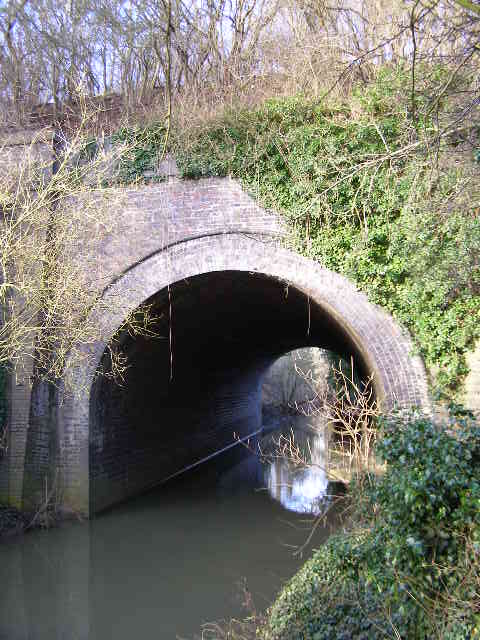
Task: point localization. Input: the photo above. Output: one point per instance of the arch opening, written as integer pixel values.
(197, 386)
(318, 430)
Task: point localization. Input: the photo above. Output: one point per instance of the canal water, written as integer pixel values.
(164, 563)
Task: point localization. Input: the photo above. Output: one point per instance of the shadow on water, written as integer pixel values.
(155, 567)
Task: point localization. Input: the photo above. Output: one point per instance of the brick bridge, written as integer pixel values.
(231, 299)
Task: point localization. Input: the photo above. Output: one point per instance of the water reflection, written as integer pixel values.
(301, 490)
(45, 585)
(156, 567)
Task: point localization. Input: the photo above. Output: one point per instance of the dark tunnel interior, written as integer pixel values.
(197, 382)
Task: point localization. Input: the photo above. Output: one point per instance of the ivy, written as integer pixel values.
(364, 207)
(414, 566)
(144, 144)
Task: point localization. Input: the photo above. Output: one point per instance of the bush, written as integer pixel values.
(415, 568)
(328, 599)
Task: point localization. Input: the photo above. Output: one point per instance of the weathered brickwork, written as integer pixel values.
(12, 470)
(139, 434)
(240, 299)
(31, 149)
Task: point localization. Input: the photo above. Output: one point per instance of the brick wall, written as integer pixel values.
(151, 427)
(25, 146)
(31, 150)
(172, 233)
(240, 300)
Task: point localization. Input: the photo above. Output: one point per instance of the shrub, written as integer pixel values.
(327, 599)
(144, 145)
(413, 572)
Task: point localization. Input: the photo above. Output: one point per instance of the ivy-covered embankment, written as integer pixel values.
(371, 195)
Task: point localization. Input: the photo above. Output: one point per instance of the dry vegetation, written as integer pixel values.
(336, 405)
(46, 291)
(137, 59)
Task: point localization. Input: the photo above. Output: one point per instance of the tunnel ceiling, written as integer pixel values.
(228, 320)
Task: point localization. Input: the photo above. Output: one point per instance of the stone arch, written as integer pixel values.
(384, 348)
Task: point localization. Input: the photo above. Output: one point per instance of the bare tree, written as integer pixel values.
(45, 293)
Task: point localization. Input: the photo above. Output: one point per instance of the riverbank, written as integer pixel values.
(406, 564)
